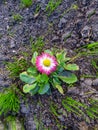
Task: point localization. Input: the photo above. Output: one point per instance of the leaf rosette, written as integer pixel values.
(47, 72)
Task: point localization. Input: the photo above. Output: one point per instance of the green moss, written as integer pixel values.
(17, 66)
(17, 17)
(37, 45)
(27, 3)
(52, 5)
(9, 101)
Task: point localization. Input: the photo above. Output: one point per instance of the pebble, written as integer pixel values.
(61, 118)
(86, 32)
(73, 90)
(95, 84)
(95, 31)
(85, 2)
(66, 35)
(12, 44)
(82, 79)
(4, 83)
(88, 82)
(62, 22)
(25, 109)
(31, 125)
(83, 126)
(55, 39)
(48, 121)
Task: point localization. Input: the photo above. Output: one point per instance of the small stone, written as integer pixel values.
(61, 118)
(31, 124)
(12, 44)
(4, 83)
(25, 109)
(7, 27)
(66, 35)
(62, 22)
(82, 93)
(3, 57)
(88, 82)
(48, 121)
(86, 32)
(82, 43)
(82, 79)
(85, 2)
(73, 90)
(78, 45)
(95, 84)
(36, 15)
(83, 126)
(55, 39)
(95, 31)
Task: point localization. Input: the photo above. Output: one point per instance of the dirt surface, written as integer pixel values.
(67, 27)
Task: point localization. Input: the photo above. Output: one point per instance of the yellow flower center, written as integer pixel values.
(46, 62)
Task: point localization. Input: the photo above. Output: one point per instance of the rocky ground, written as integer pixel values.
(68, 27)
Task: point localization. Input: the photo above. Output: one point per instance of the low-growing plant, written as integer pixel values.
(17, 66)
(52, 5)
(11, 122)
(37, 45)
(91, 49)
(9, 101)
(73, 7)
(92, 109)
(54, 110)
(74, 106)
(17, 17)
(48, 72)
(94, 63)
(27, 3)
(37, 9)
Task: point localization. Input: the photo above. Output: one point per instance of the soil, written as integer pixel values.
(65, 28)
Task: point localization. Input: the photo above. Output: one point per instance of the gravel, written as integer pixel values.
(69, 31)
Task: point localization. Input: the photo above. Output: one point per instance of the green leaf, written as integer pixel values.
(71, 67)
(92, 45)
(60, 89)
(67, 59)
(32, 71)
(44, 78)
(34, 91)
(49, 91)
(56, 81)
(61, 58)
(57, 85)
(27, 88)
(68, 77)
(60, 69)
(33, 60)
(43, 89)
(49, 52)
(26, 78)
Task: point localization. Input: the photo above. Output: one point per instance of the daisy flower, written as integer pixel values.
(46, 63)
